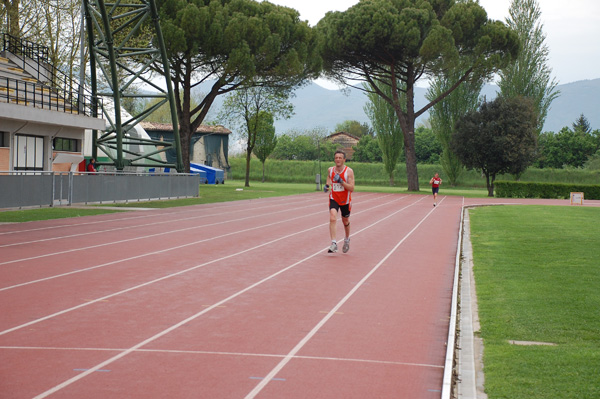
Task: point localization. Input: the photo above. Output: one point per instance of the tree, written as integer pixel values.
(304, 146)
(498, 138)
(231, 43)
(582, 124)
(529, 75)
(354, 128)
(10, 14)
(367, 150)
(245, 107)
(265, 140)
(565, 148)
(54, 24)
(387, 41)
(444, 115)
(387, 129)
(427, 146)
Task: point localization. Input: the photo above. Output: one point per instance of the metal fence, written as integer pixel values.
(30, 189)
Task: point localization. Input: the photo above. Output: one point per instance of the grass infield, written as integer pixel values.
(538, 279)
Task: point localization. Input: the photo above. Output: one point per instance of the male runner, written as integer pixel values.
(435, 187)
(341, 180)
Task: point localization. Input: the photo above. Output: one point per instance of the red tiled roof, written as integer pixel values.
(150, 126)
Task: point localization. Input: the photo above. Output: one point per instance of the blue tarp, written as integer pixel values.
(213, 175)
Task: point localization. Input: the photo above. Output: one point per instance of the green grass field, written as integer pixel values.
(538, 279)
(29, 215)
(373, 174)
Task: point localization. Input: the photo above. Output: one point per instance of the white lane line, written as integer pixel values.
(263, 383)
(162, 233)
(270, 207)
(154, 252)
(154, 214)
(90, 302)
(152, 282)
(149, 253)
(212, 353)
(191, 318)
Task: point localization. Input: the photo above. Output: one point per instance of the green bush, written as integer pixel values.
(515, 189)
(373, 174)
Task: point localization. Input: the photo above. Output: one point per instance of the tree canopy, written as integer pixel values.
(386, 41)
(231, 43)
(265, 140)
(245, 108)
(529, 75)
(500, 137)
(387, 129)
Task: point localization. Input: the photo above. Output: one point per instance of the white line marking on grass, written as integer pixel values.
(191, 318)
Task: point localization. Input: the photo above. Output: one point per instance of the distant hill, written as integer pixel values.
(317, 107)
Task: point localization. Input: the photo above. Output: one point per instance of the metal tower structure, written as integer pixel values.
(125, 40)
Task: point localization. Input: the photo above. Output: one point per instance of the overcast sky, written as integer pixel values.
(572, 30)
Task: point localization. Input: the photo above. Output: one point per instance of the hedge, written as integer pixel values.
(516, 189)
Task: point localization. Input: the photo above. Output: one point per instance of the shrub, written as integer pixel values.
(515, 189)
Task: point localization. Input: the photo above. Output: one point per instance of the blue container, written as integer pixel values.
(213, 175)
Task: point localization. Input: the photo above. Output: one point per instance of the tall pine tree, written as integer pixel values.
(529, 76)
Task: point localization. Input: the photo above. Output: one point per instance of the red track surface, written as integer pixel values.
(232, 300)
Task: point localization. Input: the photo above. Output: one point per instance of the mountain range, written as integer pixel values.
(318, 107)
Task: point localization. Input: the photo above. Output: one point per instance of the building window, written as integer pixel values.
(28, 152)
(62, 144)
(4, 139)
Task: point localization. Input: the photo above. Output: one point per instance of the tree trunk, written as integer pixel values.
(248, 156)
(12, 12)
(412, 174)
(185, 137)
(491, 189)
(263, 177)
(490, 185)
(407, 123)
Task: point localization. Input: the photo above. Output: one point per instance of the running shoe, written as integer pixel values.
(332, 248)
(346, 246)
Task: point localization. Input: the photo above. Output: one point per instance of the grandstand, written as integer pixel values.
(43, 115)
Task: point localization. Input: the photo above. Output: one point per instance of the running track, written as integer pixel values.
(231, 300)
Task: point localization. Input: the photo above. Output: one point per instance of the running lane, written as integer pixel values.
(243, 302)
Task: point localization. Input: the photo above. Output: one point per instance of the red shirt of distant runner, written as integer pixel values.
(436, 182)
(338, 193)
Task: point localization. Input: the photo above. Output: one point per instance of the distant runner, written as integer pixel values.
(341, 180)
(435, 187)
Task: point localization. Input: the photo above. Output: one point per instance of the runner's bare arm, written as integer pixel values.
(349, 185)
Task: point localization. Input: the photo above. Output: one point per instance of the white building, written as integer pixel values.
(42, 125)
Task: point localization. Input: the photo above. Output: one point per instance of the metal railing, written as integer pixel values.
(37, 189)
(21, 92)
(34, 59)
